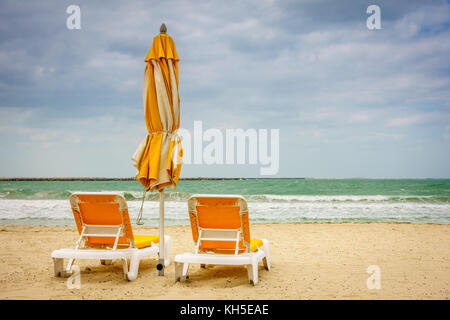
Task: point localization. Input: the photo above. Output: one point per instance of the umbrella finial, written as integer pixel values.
(163, 29)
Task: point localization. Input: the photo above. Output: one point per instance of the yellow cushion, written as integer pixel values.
(143, 241)
(255, 244)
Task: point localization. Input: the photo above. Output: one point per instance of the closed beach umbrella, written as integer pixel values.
(158, 157)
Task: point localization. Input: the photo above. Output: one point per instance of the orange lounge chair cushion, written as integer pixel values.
(141, 241)
(144, 241)
(229, 245)
(220, 213)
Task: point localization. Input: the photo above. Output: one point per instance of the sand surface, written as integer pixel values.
(309, 261)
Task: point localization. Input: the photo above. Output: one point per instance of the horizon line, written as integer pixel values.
(196, 178)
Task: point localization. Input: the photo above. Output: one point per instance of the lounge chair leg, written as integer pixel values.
(106, 262)
(185, 270)
(266, 262)
(255, 272)
(134, 267)
(252, 272)
(266, 249)
(125, 268)
(58, 264)
(178, 271)
(181, 270)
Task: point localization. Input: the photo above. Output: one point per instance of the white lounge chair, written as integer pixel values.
(221, 233)
(106, 234)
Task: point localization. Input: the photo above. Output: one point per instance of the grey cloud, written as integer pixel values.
(307, 67)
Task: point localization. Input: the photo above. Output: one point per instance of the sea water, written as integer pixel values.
(269, 200)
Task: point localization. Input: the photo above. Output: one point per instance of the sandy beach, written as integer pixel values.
(309, 261)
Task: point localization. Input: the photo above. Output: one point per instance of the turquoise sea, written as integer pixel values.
(270, 200)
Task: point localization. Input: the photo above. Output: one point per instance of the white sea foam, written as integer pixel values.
(264, 208)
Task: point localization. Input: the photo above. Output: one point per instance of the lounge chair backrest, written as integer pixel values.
(101, 213)
(215, 216)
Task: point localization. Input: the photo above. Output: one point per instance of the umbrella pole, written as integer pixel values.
(161, 233)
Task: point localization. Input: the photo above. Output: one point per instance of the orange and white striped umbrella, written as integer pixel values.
(158, 158)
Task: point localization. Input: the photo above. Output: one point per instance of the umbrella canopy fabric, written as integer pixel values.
(158, 158)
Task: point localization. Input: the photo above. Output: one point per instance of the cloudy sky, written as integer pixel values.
(348, 101)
